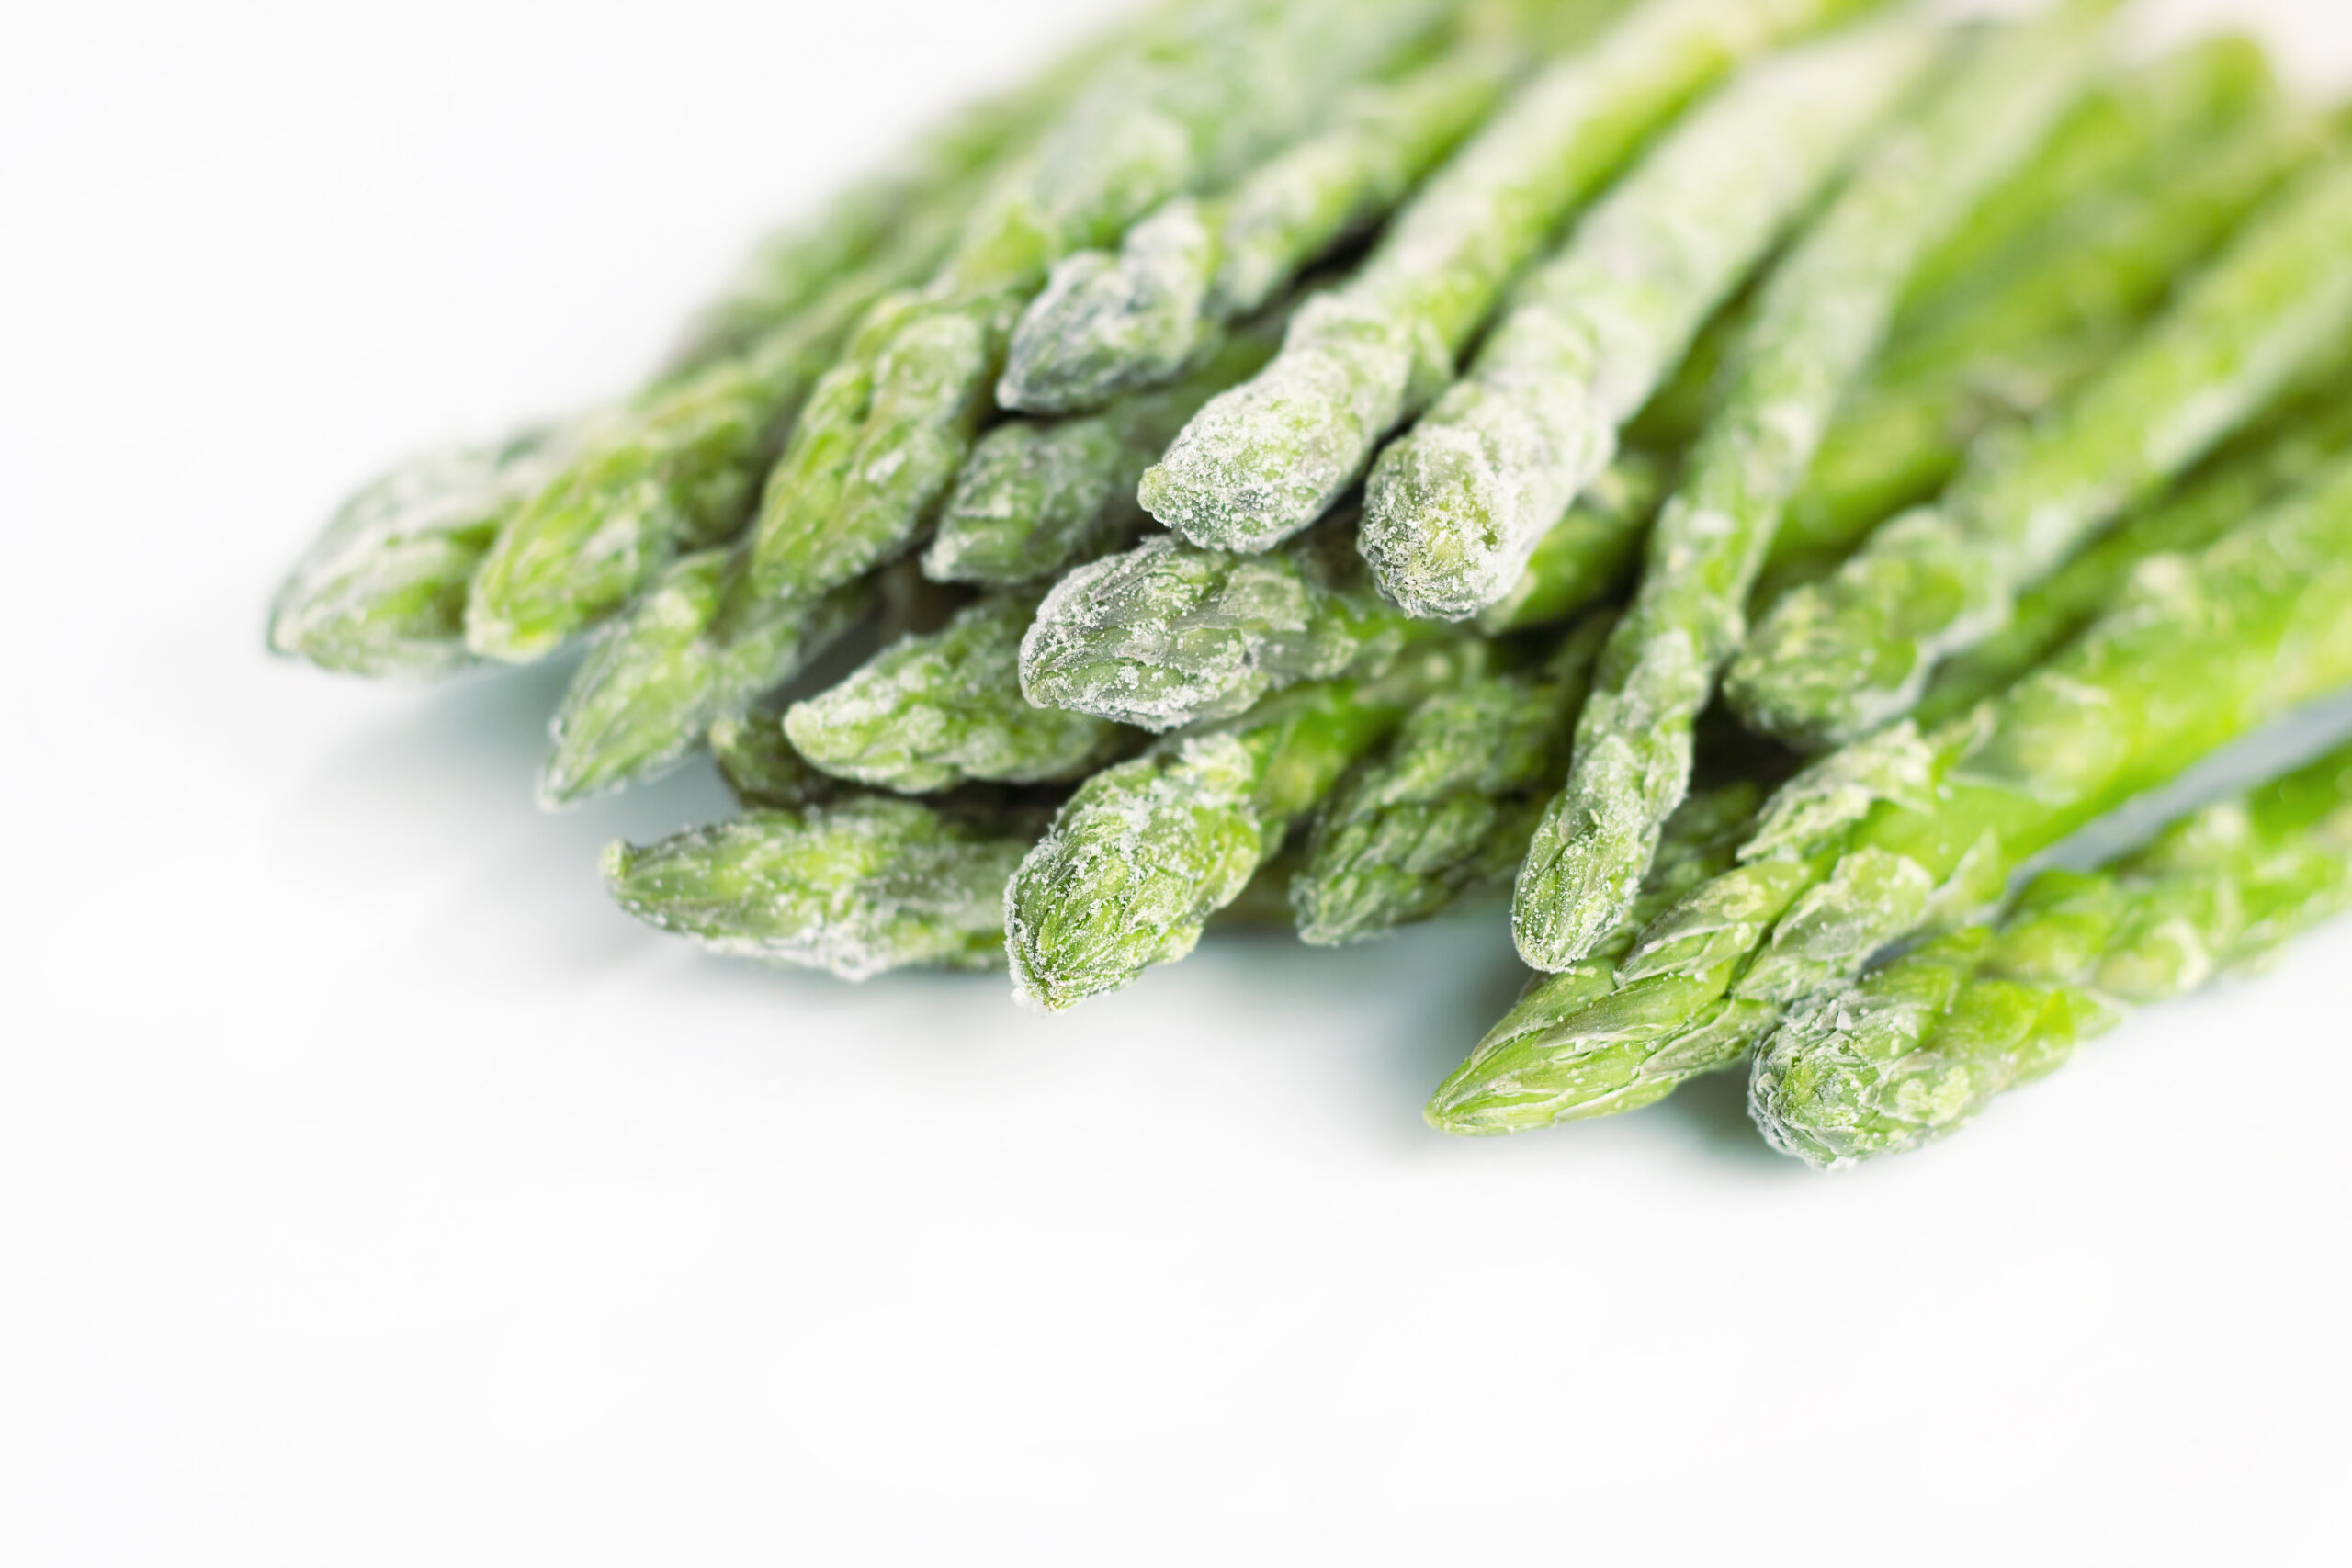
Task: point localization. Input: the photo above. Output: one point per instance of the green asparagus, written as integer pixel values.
(1902, 833)
(1916, 1049)
(1269, 457)
(1169, 634)
(1446, 806)
(900, 411)
(859, 886)
(760, 765)
(1820, 319)
(1591, 553)
(1148, 851)
(1455, 508)
(1038, 496)
(656, 679)
(383, 590)
(940, 709)
(1839, 658)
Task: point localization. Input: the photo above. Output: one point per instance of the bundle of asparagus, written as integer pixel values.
(1738, 282)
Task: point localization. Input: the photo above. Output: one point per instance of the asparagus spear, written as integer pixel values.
(899, 412)
(383, 590)
(1916, 1049)
(1455, 507)
(859, 886)
(1147, 851)
(1037, 496)
(1589, 553)
(1839, 657)
(1447, 806)
(2241, 481)
(1269, 457)
(762, 769)
(1902, 832)
(656, 679)
(1112, 322)
(1168, 634)
(1818, 322)
(2027, 337)
(939, 709)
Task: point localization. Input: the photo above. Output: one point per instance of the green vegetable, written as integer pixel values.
(1269, 456)
(1839, 658)
(760, 766)
(874, 455)
(1916, 1049)
(1902, 833)
(1038, 496)
(1589, 553)
(1822, 316)
(1456, 506)
(938, 709)
(1444, 808)
(1147, 851)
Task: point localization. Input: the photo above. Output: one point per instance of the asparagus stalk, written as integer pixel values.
(900, 410)
(656, 679)
(1269, 456)
(2241, 481)
(383, 590)
(1837, 659)
(1037, 496)
(1591, 553)
(1147, 851)
(1820, 319)
(760, 765)
(1918, 1048)
(1456, 506)
(1446, 806)
(1109, 323)
(1902, 832)
(2027, 337)
(939, 709)
(859, 886)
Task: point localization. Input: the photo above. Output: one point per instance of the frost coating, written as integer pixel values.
(1822, 314)
(1916, 1049)
(1455, 507)
(1168, 634)
(1269, 457)
(858, 887)
(383, 590)
(1146, 851)
(936, 710)
(2195, 657)
(887, 430)
(1037, 496)
(1446, 807)
(662, 675)
(1841, 657)
(1109, 323)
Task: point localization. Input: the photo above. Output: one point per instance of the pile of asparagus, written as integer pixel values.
(1745, 476)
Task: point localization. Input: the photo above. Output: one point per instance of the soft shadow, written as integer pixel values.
(1712, 1113)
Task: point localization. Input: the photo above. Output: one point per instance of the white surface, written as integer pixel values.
(371, 1192)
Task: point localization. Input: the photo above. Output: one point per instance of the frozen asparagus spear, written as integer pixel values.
(1591, 553)
(383, 590)
(1109, 322)
(1916, 1049)
(1456, 505)
(760, 765)
(1446, 806)
(858, 887)
(1837, 659)
(1822, 316)
(1168, 634)
(869, 463)
(2239, 482)
(1269, 457)
(2026, 339)
(1037, 496)
(939, 709)
(656, 679)
(1147, 851)
(1904, 833)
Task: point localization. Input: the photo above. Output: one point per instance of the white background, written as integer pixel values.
(372, 1192)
